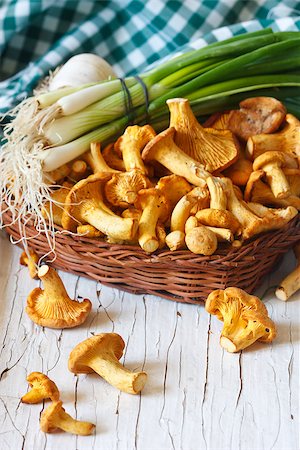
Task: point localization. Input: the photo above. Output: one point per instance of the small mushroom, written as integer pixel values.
(192, 222)
(214, 149)
(175, 240)
(112, 158)
(291, 283)
(95, 159)
(219, 218)
(131, 144)
(42, 388)
(202, 241)
(52, 307)
(198, 198)
(31, 260)
(218, 199)
(245, 318)
(163, 149)
(272, 164)
(286, 140)
(79, 170)
(223, 234)
(101, 353)
(174, 188)
(55, 417)
(154, 206)
(256, 115)
(85, 204)
(122, 189)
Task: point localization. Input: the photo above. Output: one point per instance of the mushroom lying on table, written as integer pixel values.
(42, 388)
(245, 318)
(101, 353)
(55, 417)
(52, 307)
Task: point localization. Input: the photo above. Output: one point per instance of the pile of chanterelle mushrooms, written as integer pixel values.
(191, 186)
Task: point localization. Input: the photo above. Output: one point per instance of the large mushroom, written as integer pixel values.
(245, 318)
(85, 204)
(214, 149)
(52, 307)
(101, 353)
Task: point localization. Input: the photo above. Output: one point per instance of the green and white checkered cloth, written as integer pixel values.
(38, 35)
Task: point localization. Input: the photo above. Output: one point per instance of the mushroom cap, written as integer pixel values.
(122, 189)
(239, 172)
(218, 120)
(174, 187)
(113, 158)
(214, 148)
(153, 196)
(218, 218)
(233, 294)
(135, 135)
(52, 307)
(89, 189)
(43, 388)
(202, 241)
(256, 115)
(280, 158)
(93, 347)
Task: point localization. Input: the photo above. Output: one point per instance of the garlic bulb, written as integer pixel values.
(82, 69)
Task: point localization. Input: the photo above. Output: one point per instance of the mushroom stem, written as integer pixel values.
(290, 284)
(111, 224)
(70, 425)
(147, 227)
(163, 149)
(218, 199)
(117, 375)
(53, 283)
(277, 180)
(96, 161)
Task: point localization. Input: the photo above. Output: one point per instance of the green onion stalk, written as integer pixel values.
(53, 128)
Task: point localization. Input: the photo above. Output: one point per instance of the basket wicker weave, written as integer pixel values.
(180, 276)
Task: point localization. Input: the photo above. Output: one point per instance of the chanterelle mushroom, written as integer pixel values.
(95, 159)
(42, 389)
(31, 260)
(163, 149)
(219, 218)
(55, 417)
(256, 115)
(245, 318)
(291, 283)
(85, 204)
(202, 241)
(197, 198)
(174, 188)
(101, 353)
(286, 140)
(122, 189)
(52, 307)
(154, 206)
(131, 144)
(215, 149)
(54, 208)
(272, 164)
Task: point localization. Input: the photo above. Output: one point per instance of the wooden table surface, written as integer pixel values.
(197, 396)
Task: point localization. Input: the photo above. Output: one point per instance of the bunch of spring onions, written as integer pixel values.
(53, 128)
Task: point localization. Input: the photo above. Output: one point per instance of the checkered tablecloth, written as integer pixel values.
(38, 35)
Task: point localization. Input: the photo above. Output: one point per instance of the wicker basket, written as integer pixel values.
(181, 275)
